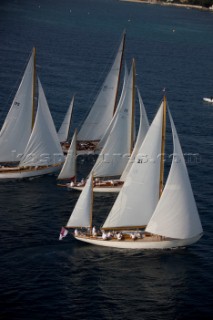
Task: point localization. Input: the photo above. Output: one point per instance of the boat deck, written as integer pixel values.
(126, 238)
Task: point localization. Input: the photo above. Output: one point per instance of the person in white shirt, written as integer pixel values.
(94, 233)
(104, 236)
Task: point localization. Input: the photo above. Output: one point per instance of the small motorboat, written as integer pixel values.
(210, 100)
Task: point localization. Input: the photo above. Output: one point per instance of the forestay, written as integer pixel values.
(17, 126)
(43, 147)
(176, 214)
(139, 195)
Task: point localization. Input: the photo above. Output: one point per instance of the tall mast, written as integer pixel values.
(75, 154)
(34, 86)
(163, 147)
(119, 74)
(133, 106)
(91, 208)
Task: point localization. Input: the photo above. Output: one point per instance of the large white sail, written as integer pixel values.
(176, 214)
(43, 147)
(114, 155)
(63, 132)
(102, 110)
(81, 215)
(142, 131)
(68, 170)
(102, 142)
(139, 195)
(17, 126)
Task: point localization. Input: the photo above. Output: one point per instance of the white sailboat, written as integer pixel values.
(146, 215)
(17, 127)
(115, 185)
(68, 170)
(69, 167)
(119, 143)
(103, 108)
(43, 153)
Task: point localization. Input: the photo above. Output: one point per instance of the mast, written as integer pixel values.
(119, 74)
(133, 106)
(34, 85)
(91, 207)
(75, 155)
(163, 147)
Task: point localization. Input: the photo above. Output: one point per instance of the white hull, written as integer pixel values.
(115, 189)
(140, 244)
(210, 100)
(22, 174)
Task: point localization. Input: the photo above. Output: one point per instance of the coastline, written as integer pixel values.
(180, 5)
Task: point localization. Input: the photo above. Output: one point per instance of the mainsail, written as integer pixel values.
(139, 195)
(114, 155)
(17, 126)
(103, 109)
(65, 126)
(102, 142)
(176, 214)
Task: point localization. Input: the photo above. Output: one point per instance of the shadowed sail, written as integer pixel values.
(17, 126)
(103, 109)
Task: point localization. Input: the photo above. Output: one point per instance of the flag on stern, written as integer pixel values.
(63, 233)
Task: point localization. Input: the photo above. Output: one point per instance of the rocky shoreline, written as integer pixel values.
(162, 3)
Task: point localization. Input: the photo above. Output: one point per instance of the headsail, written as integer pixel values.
(68, 170)
(114, 155)
(81, 215)
(102, 110)
(139, 195)
(43, 147)
(17, 126)
(176, 214)
(142, 131)
(65, 126)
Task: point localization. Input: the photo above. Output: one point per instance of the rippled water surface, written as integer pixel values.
(76, 40)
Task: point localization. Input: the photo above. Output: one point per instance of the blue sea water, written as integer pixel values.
(76, 41)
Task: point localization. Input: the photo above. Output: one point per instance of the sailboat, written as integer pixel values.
(68, 171)
(63, 132)
(146, 214)
(43, 153)
(18, 124)
(115, 185)
(119, 143)
(103, 109)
